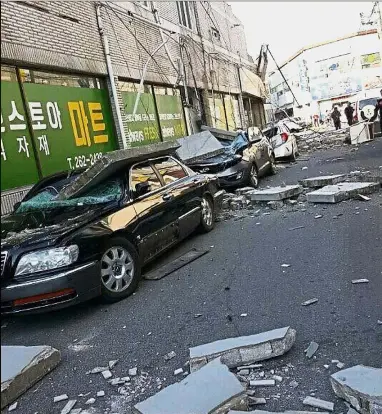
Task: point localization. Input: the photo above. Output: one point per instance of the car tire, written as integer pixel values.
(253, 179)
(273, 168)
(120, 270)
(207, 214)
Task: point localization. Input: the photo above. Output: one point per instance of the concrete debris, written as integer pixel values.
(106, 374)
(379, 322)
(243, 190)
(318, 216)
(100, 393)
(113, 363)
(285, 265)
(275, 193)
(97, 370)
(262, 383)
(78, 411)
(243, 372)
(304, 168)
(358, 281)
(252, 366)
(275, 205)
(245, 349)
(310, 302)
(322, 181)
(262, 374)
(278, 378)
(317, 403)
(90, 401)
(361, 386)
(326, 366)
(116, 381)
(335, 361)
(340, 365)
(341, 191)
(12, 407)
(189, 396)
(125, 379)
(256, 401)
(363, 197)
(178, 371)
(170, 355)
(59, 398)
(243, 315)
(312, 349)
(293, 384)
(69, 406)
(22, 367)
(133, 371)
(296, 228)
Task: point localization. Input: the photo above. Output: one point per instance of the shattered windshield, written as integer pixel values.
(110, 190)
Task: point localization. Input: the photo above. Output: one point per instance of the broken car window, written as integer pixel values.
(170, 170)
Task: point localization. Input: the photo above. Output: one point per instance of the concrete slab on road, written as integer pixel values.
(322, 181)
(340, 192)
(275, 193)
(22, 367)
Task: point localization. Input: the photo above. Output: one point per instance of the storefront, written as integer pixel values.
(51, 122)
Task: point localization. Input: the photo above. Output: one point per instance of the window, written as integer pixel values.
(145, 4)
(215, 35)
(170, 170)
(184, 13)
(144, 173)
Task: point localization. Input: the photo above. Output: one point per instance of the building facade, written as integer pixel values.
(327, 74)
(82, 78)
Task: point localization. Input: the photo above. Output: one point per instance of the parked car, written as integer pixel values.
(365, 108)
(235, 162)
(282, 139)
(78, 235)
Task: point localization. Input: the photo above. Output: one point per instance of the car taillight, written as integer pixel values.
(284, 136)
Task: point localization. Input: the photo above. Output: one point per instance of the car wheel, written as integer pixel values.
(120, 270)
(273, 168)
(253, 177)
(207, 220)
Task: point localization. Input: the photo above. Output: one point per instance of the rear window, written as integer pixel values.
(369, 101)
(271, 132)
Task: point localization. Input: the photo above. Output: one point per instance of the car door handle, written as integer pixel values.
(167, 197)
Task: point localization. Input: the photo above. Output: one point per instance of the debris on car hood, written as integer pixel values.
(199, 146)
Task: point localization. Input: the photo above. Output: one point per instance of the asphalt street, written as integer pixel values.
(241, 274)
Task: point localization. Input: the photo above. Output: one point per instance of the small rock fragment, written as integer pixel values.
(340, 365)
(363, 197)
(90, 401)
(262, 383)
(285, 265)
(97, 370)
(277, 378)
(116, 381)
(106, 374)
(318, 216)
(326, 366)
(170, 355)
(113, 363)
(304, 168)
(379, 322)
(312, 349)
(262, 374)
(100, 393)
(68, 407)
(243, 315)
(256, 401)
(133, 371)
(252, 366)
(178, 371)
(12, 407)
(243, 372)
(357, 281)
(197, 315)
(335, 361)
(125, 379)
(60, 398)
(309, 302)
(293, 384)
(317, 403)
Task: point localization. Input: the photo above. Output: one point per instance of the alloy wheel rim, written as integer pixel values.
(206, 212)
(117, 269)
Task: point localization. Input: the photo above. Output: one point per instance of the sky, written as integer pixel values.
(287, 27)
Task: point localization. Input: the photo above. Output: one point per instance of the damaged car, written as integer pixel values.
(281, 136)
(81, 234)
(233, 158)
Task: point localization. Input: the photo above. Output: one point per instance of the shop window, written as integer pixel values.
(46, 78)
(8, 74)
(184, 13)
(132, 87)
(370, 60)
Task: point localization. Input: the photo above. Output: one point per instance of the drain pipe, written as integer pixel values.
(106, 49)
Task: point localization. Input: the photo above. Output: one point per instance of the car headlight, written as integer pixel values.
(47, 259)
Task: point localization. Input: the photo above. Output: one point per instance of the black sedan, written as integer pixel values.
(76, 235)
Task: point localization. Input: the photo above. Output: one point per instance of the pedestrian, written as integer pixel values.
(349, 113)
(336, 116)
(378, 108)
(315, 120)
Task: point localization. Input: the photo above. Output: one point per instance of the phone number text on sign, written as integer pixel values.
(83, 161)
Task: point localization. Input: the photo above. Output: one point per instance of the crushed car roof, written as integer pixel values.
(112, 162)
(199, 146)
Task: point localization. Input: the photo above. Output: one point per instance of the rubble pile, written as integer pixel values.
(309, 141)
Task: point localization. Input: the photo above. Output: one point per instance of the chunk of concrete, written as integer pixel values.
(361, 386)
(68, 407)
(322, 181)
(275, 193)
(262, 383)
(189, 396)
(317, 403)
(22, 367)
(343, 191)
(244, 350)
(312, 349)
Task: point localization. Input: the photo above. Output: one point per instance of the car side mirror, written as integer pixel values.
(142, 188)
(16, 206)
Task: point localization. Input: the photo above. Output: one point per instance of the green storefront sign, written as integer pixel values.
(72, 128)
(18, 165)
(143, 127)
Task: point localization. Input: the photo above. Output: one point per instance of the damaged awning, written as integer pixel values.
(252, 84)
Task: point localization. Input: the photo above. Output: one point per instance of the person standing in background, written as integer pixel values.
(378, 108)
(336, 116)
(315, 120)
(349, 113)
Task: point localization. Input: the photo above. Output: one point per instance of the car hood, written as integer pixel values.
(215, 164)
(19, 229)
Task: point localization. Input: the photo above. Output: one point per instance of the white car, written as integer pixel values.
(281, 137)
(365, 108)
